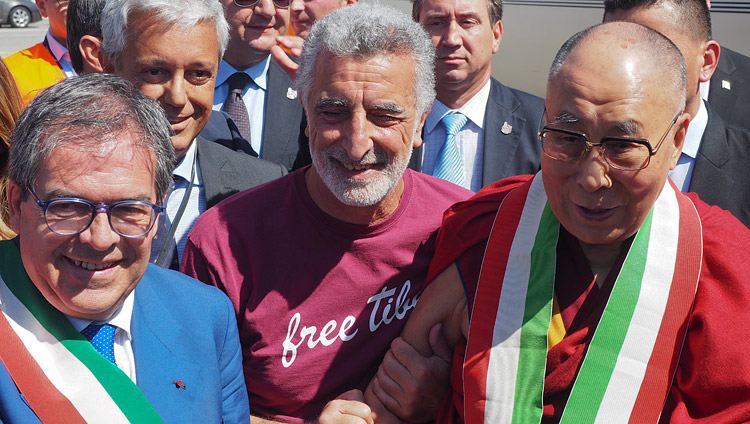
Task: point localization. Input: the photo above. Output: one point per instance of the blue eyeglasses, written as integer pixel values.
(71, 216)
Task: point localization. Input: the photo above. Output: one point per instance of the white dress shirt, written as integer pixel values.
(254, 96)
(683, 172)
(61, 55)
(196, 204)
(470, 139)
(123, 346)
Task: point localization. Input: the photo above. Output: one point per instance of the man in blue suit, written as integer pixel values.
(91, 331)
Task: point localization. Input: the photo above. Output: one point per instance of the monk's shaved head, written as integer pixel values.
(650, 55)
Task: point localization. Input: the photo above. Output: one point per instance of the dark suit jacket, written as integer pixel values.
(506, 155)
(182, 330)
(734, 104)
(720, 176)
(221, 129)
(283, 124)
(226, 172)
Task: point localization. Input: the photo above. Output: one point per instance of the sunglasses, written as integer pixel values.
(281, 4)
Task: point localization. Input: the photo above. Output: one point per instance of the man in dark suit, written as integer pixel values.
(85, 42)
(499, 136)
(729, 90)
(714, 156)
(91, 331)
(253, 89)
(171, 58)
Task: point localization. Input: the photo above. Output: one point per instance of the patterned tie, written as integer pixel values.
(235, 106)
(449, 164)
(102, 336)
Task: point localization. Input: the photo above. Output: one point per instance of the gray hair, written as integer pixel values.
(364, 31)
(664, 55)
(181, 13)
(89, 111)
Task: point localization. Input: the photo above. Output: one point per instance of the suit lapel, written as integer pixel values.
(213, 171)
(500, 148)
(281, 118)
(722, 99)
(161, 348)
(709, 180)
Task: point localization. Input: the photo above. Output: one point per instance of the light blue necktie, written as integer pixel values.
(449, 165)
(102, 336)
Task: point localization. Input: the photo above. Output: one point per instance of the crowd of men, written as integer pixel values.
(220, 219)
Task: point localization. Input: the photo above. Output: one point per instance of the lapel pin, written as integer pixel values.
(291, 93)
(506, 128)
(179, 384)
(726, 85)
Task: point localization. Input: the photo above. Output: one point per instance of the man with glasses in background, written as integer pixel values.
(253, 89)
(45, 63)
(601, 293)
(91, 331)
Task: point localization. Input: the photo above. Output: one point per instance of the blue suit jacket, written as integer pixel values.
(182, 330)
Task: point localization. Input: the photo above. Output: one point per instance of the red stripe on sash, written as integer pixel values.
(486, 301)
(668, 344)
(48, 403)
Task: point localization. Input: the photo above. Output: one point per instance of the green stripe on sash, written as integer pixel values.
(537, 315)
(599, 362)
(118, 385)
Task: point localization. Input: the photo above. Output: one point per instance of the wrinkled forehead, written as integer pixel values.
(588, 92)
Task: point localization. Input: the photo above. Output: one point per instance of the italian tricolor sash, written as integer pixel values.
(61, 375)
(631, 360)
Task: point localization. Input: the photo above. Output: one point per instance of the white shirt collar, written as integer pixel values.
(185, 168)
(695, 132)
(120, 319)
(472, 109)
(57, 49)
(256, 72)
(703, 89)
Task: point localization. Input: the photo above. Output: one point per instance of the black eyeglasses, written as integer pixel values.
(71, 216)
(281, 4)
(623, 153)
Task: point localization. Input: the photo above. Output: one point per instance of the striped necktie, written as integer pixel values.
(450, 165)
(102, 336)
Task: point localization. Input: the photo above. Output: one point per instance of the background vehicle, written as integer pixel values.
(19, 13)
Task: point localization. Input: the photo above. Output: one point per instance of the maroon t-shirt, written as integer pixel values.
(319, 300)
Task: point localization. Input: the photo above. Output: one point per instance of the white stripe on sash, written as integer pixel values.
(630, 368)
(503, 367)
(66, 372)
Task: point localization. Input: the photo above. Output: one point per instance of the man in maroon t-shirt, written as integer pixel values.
(323, 266)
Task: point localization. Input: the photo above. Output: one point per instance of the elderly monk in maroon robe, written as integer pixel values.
(594, 290)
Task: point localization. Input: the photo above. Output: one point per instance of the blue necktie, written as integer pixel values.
(102, 336)
(449, 164)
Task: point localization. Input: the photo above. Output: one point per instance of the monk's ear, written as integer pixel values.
(678, 139)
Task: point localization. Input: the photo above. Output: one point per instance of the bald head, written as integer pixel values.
(623, 84)
(638, 52)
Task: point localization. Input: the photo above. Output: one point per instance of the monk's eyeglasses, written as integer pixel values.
(623, 153)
